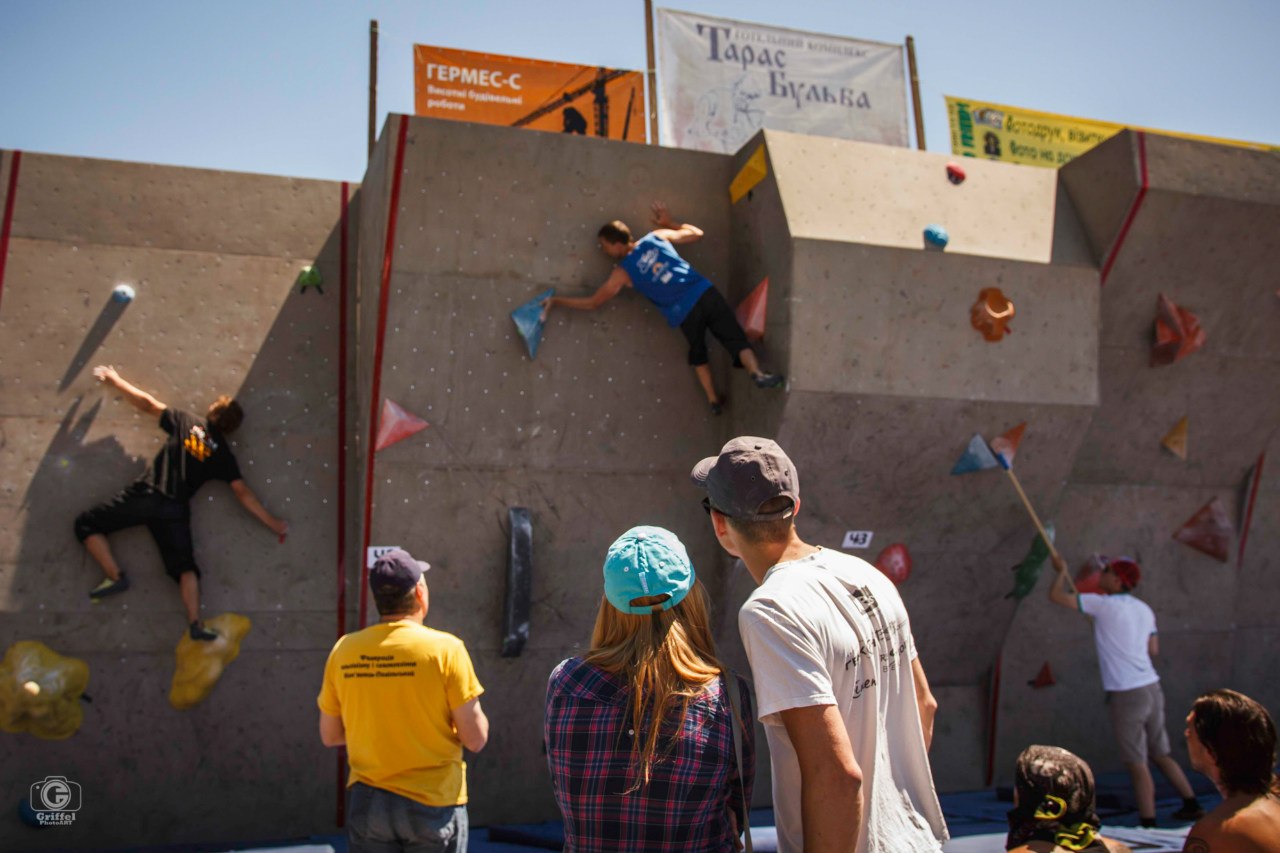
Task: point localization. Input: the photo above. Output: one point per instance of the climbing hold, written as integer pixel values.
(1178, 333)
(310, 277)
(976, 457)
(200, 663)
(1044, 678)
(1088, 576)
(1208, 531)
(751, 311)
(515, 610)
(936, 237)
(40, 691)
(1005, 446)
(1027, 572)
(529, 320)
(752, 172)
(895, 562)
(123, 294)
(955, 173)
(395, 424)
(991, 314)
(1175, 441)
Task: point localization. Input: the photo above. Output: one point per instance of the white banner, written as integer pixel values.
(720, 81)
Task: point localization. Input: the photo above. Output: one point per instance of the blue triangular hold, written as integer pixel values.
(977, 457)
(529, 322)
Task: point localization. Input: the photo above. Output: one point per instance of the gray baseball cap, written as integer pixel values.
(396, 572)
(749, 471)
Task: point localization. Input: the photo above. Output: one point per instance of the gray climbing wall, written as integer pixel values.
(213, 257)
(887, 383)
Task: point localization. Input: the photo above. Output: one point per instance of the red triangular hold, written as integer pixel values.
(395, 424)
(1178, 333)
(1209, 530)
(1006, 446)
(751, 311)
(1044, 678)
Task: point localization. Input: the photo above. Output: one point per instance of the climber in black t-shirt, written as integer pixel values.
(195, 451)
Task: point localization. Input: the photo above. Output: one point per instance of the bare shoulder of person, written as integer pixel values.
(1114, 846)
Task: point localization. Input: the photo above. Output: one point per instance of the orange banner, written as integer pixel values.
(508, 90)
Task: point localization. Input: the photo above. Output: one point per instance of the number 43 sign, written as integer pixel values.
(857, 539)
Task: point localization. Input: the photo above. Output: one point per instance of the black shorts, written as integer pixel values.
(712, 313)
(168, 520)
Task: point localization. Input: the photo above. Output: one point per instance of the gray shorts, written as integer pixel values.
(1137, 717)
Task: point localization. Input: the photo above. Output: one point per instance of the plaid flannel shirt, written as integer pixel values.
(694, 780)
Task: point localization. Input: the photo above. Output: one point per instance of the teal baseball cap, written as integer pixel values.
(647, 561)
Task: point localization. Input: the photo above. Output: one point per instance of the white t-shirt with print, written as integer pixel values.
(830, 629)
(1122, 626)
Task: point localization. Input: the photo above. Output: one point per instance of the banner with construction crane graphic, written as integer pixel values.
(516, 92)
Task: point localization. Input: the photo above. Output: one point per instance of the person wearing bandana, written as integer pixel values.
(1054, 806)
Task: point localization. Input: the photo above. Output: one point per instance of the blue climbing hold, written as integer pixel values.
(529, 322)
(936, 235)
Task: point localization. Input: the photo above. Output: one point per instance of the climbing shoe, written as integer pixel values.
(109, 587)
(198, 631)
(768, 380)
(1190, 810)
(717, 407)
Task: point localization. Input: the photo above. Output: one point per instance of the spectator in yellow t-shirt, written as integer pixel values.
(404, 699)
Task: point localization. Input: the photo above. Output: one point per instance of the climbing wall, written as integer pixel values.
(594, 436)
(212, 258)
(1194, 222)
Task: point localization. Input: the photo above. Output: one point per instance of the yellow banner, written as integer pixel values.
(509, 90)
(1015, 135)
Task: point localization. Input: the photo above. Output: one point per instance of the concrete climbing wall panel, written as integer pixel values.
(213, 258)
(594, 436)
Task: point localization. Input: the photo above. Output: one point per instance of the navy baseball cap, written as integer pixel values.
(396, 572)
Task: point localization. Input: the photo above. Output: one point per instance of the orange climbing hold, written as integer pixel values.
(751, 311)
(1178, 333)
(1175, 441)
(1006, 446)
(395, 424)
(1209, 531)
(991, 314)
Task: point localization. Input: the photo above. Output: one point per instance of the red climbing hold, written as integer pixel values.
(955, 173)
(751, 311)
(1044, 678)
(1178, 333)
(895, 562)
(1209, 530)
(395, 424)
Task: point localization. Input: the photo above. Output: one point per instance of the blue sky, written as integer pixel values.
(281, 86)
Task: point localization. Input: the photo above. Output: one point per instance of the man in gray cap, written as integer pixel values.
(840, 691)
(404, 699)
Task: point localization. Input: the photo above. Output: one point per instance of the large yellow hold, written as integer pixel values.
(200, 663)
(40, 691)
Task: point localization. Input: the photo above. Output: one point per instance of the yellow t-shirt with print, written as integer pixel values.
(395, 685)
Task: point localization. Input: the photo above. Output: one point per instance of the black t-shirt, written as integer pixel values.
(194, 453)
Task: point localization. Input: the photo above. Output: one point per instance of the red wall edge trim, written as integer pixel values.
(1248, 513)
(340, 809)
(1133, 208)
(992, 711)
(6, 227)
(384, 288)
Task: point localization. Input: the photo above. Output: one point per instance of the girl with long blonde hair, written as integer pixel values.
(640, 730)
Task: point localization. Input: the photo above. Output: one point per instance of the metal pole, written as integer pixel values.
(915, 92)
(653, 94)
(373, 85)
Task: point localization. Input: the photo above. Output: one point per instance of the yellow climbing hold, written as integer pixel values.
(752, 172)
(1176, 440)
(40, 691)
(200, 663)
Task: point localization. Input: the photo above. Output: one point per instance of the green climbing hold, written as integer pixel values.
(1027, 572)
(310, 277)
